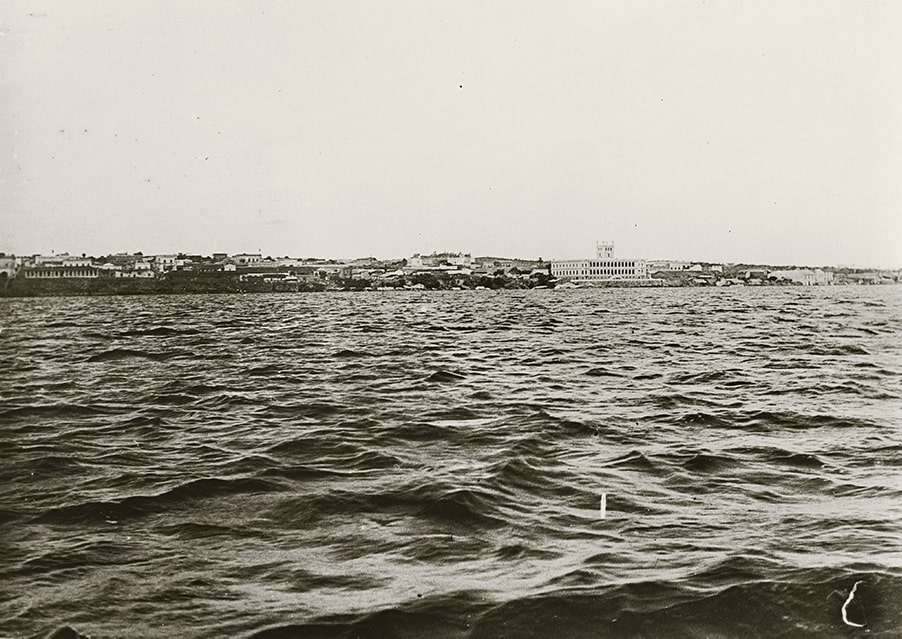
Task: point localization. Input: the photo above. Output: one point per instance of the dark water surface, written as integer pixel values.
(431, 464)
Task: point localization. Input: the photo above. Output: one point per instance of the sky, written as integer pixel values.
(761, 132)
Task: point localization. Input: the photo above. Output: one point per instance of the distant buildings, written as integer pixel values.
(655, 266)
(61, 266)
(247, 259)
(440, 259)
(448, 270)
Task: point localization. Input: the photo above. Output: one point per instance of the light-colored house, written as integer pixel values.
(165, 263)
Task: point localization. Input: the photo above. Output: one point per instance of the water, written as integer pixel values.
(431, 464)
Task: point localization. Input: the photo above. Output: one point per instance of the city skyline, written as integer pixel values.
(265, 255)
(726, 132)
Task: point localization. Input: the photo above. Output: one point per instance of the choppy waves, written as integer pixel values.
(427, 465)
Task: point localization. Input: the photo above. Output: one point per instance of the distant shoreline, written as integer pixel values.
(105, 287)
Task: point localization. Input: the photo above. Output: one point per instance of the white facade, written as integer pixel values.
(40, 260)
(58, 272)
(247, 259)
(666, 265)
(165, 263)
(805, 276)
(76, 261)
(598, 270)
(9, 266)
(439, 259)
(605, 267)
(459, 259)
(61, 259)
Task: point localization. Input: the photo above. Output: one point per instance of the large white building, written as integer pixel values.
(805, 276)
(605, 267)
(440, 259)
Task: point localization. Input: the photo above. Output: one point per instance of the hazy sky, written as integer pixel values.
(735, 131)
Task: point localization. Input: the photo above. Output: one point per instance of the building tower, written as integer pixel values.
(604, 250)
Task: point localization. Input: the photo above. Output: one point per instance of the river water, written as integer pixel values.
(433, 464)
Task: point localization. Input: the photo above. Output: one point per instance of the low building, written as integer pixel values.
(72, 260)
(49, 260)
(288, 261)
(804, 276)
(494, 264)
(125, 260)
(655, 266)
(46, 272)
(440, 259)
(247, 259)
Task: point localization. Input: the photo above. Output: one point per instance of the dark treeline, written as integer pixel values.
(182, 282)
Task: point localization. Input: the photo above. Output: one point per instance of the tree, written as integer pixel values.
(426, 279)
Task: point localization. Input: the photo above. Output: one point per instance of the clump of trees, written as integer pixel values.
(441, 280)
